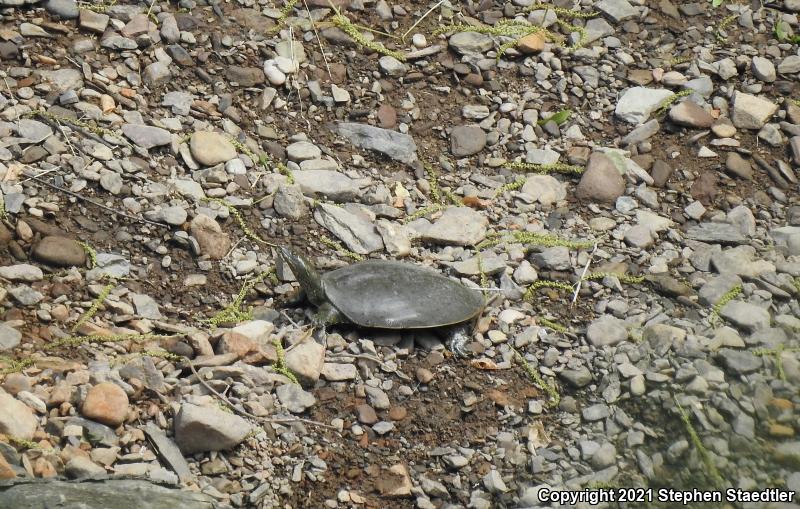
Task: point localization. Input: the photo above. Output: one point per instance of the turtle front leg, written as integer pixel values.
(458, 338)
(327, 315)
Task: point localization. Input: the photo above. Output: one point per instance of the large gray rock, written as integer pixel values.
(637, 103)
(745, 315)
(146, 136)
(606, 331)
(101, 494)
(466, 140)
(355, 231)
(398, 146)
(750, 111)
(16, 418)
(460, 226)
(716, 233)
(9, 337)
(206, 428)
(470, 42)
(328, 183)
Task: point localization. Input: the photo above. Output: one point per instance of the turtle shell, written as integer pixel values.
(395, 295)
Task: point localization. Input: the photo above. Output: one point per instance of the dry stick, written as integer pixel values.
(248, 414)
(403, 37)
(319, 41)
(97, 204)
(80, 129)
(583, 274)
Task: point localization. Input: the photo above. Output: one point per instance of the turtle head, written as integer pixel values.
(308, 277)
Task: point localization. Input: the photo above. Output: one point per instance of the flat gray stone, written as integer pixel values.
(750, 111)
(398, 146)
(9, 337)
(745, 315)
(711, 292)
(117, 493)
(355, 231)
(33, 130)
(67, 9)
(467, 140)
(207, 428)
(617, 10)
(460, 226)
(63, 79)
(146, 136)
(146, 306)
(739, 362)
(606, 330)
(294, 398)
(637, 103)
(716, 233)
(465, 43)
(168, 451)
(22, 272)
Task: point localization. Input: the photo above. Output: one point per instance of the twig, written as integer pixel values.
(319, 41)
(583, 274)
(248, 414)
(76, 195)
(403, 37)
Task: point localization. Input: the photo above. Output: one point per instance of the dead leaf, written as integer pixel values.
(484, 364)
(475, 202)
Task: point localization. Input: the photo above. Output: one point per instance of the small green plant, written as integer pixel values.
(514, 29)
(340, 249)
(264, 160)
(775, 353)
(545, 283)
(280, 364)
(285, 11)
(99, 7)
(623, 278)
(783, 35)
(511, 186)
(567, 13)
(345, 25)
(437, 193)
(538, 381)
(532, 239)
(99, 131)
(558, 117)
(90, 253)
(436, 207)
(74, 340)
(545, 168)
(723, 25)
(22, 442)
(544, 322)
(94, 307)
(725, 299)
(233, 211)
(3, 212)
(666, 103)
(233, 312)
(711, 469)
(13, 365)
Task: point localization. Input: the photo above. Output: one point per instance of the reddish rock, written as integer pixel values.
(601, 182)
(387, 116)
(106, 403)
(232, 342)
(705, 188)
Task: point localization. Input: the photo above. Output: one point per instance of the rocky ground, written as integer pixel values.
(643, 153)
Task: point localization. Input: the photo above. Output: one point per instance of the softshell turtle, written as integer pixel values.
(388, 295)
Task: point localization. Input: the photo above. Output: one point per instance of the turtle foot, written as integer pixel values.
(457, 343)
